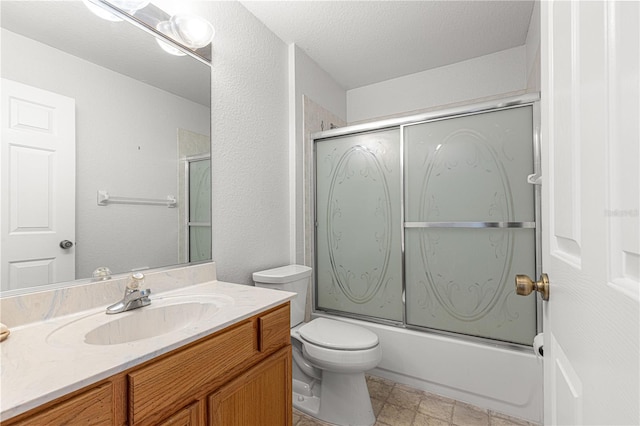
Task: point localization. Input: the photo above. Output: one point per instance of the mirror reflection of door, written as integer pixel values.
(199, 225)
(37, 181)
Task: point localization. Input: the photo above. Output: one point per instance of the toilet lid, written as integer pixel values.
(337, 335)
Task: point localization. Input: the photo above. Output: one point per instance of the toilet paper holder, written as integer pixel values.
(538, 345)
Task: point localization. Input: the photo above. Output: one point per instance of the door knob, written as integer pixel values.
(525, 285)
(66, 244)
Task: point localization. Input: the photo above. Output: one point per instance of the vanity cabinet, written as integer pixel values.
(240, 375)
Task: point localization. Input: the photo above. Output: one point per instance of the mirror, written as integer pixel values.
(139, 123)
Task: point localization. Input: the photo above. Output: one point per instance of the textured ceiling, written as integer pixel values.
(365, 42)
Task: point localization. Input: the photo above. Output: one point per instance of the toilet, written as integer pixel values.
(329, 356)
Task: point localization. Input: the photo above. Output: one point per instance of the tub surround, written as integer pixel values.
(34, 371)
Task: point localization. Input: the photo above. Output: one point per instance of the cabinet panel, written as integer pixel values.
(273, 329)
(93, 407)
(261, 396)
(192, 415)
(175, 380)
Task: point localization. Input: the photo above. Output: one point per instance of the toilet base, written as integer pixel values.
(326, 401)
(303, 398)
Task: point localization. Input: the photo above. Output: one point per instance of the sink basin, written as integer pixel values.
(164, 315)
(149, 322)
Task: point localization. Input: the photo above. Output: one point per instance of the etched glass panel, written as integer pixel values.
(199, 210)
(468, 171)
(358, 253)
(462, 280)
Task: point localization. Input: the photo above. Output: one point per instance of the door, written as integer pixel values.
(358, 210)
(259, 397)
(37, 182)
(591, 185)
(199, 223)
(469, 215)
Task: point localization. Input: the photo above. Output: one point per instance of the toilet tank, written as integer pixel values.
(293, 278)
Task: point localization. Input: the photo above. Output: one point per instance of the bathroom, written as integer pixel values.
(259, 170)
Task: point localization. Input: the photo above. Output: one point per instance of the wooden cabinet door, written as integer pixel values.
(261, 396)
(193, 415)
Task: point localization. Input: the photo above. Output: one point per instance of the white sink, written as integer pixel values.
(164, 315)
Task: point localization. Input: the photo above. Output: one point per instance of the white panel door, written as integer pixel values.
(591, 244)
(37, 183)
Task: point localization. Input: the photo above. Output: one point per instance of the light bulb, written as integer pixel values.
(165, 28)
(129, 5)
(101, 12)
(192, 30)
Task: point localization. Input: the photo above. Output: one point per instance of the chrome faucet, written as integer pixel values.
(134, 296)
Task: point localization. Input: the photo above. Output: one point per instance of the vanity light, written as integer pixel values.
(192, 30)
(99, 11)
(165, 28)
(127, 5)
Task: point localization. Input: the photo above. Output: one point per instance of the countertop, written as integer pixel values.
(35, 370)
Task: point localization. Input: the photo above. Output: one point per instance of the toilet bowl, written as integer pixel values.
(329, 356)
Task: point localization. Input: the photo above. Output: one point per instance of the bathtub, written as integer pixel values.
(505, 380)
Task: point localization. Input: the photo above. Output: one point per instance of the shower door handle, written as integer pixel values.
(525, 286)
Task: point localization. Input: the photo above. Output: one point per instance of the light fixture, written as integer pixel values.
(165, 28)
(101, 12)
(129, 6)
(192, 30)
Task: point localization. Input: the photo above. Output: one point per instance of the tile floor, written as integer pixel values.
(398, 405)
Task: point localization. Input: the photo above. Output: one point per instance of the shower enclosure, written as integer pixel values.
(424, 222)
(198, 172)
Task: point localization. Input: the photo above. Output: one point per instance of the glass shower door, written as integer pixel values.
(470, 224)
(199, 224)
(358, 231)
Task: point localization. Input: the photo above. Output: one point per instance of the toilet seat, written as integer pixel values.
(338, 347)
(337, 335)
(341, 361)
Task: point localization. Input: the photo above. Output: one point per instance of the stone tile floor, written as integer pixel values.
(398, 405)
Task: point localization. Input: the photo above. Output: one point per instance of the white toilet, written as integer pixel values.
(329, 357)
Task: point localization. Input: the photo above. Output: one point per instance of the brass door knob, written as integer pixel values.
(525, 286)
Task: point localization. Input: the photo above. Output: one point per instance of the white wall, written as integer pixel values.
(486, 76)
(532, 46)
(317, 84)
(250, 143)
(307, 79)
(121, 124)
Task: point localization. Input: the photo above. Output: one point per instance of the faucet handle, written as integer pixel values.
(145, 293)
(135, 281)
(101, 273)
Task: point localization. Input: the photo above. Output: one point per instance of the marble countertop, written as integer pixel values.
(35, 369)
